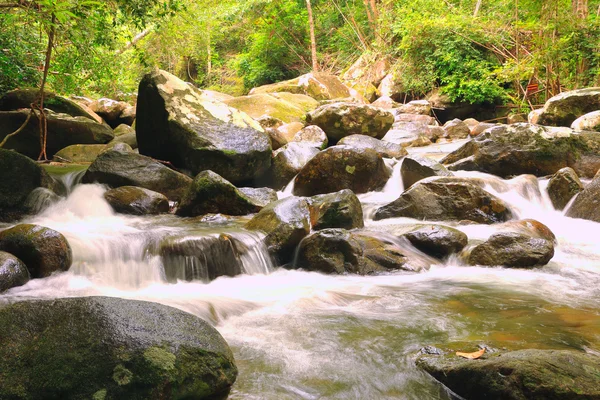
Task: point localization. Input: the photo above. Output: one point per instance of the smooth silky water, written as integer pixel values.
(305, 335)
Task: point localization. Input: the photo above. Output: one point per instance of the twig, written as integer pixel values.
(31, 112)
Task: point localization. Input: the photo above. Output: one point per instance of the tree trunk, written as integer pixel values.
(42, 119)
(208, 52)
(477, 7)
(313, 41)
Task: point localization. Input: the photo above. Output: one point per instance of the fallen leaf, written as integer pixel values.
(471, 356)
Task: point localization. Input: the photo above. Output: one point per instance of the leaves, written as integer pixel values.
(471, 356)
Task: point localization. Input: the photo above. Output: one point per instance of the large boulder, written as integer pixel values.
(338, 251)
(319, 86)
(137, 201)
(513, 250)
(446, 199)
(342, 167)
(285, 222)
(384, 149)
(121, 168)
(518, 375)
(23, 98)
(336, 210)
(344, 119)
(288, 161)
(415, 168)
(257, 105)
(587, 203)
(110, 348)
(564, 108)
(43, 250)
(211, 193)
(12, 272)
(587, 122)
(508, 150)
(63, 130)
(437, 240)
(176, 123)
(563, 185)
(19, 177)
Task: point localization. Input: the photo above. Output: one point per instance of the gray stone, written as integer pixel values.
(563, 185)
(137, 201)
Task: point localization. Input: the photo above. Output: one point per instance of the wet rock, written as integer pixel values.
(563, 186)
(446, 199)
(415, 168)
(384, 149)
(508, 150)
(210, 193)
(12, 272)
(456, 129)
(87, 153)
(22, 98)
(344, 119)
(204, 258)
(437, 240)
(342, 167)
(257, 105)
(518, 375)
(110, 110)
(259, 196)
(414, 134)
(288, 161)
(313, 136)
(63, 130)
(512, 249)
(176, 123)
(286, 222)
(336, 210)
(566, 107)
(421, 107)
(338, 251)
(110, 348)
(587, 122)
(587, 203)
(43, 250)
(19, 177)
(137, 201)
(319, 86)
(529, 227)
(120, 168)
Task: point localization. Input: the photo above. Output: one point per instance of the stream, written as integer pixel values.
(306, 335)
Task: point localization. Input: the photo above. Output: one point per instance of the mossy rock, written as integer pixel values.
(564, 108)
(336, 210)
(319, 86)
(43, 250)
(110, 348)
(137, 201)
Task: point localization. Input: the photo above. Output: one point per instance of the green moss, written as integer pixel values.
(160, 358)
(122, 376)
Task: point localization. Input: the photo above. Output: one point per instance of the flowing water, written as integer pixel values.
(305, 335)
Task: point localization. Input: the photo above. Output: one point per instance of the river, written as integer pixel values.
(305, 335)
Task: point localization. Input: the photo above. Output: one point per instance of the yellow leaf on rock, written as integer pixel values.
(471, 356)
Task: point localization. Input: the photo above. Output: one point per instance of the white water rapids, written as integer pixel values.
(303, 335)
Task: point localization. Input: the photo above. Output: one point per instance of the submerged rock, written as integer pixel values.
(437, 240)
(339, 251)
(19, 177)
(384, 149)
(446, 199)
(336, 210)
(120, 168)
(43, 250)
(137, 201)
(342, 167)
(518, 375)
(587, 203)
(110, 348)
(177, 123)
(286, 222)
(339, 120)
(566, 107)
(508, 150)
(12, 272)
(512, 249)
(210, 193)
(563, 186)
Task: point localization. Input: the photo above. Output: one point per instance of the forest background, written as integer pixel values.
(478, 51)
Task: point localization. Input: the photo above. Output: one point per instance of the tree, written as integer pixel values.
(313, 42)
